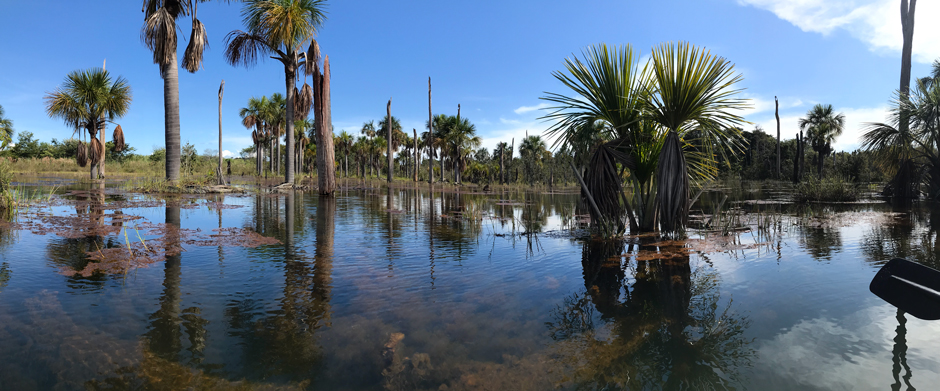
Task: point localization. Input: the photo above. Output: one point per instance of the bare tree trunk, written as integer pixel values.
(777, 114)
(388, 130)
(219, 172)
(907, 30)
(326, 170)
(512, 149)
(430, 136)
(502, 177)
(414, 172)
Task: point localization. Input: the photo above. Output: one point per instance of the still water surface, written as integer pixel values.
(410, 289)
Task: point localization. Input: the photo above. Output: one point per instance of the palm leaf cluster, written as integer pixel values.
(917, 143)
(625, 112)
(822, 125)
(6, 130)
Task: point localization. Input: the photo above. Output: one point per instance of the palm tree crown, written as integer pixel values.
(822, 126)
(6, 130)
(85, 101)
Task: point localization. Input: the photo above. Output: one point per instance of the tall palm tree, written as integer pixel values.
(301, 126)
(85, 101)
(159, 34)
(6, 130)
(534, 152)
(280, 28)
(822, 126)
(253, 117)
(275, 118)
(460, 138)
(344, 142)
(622, 114)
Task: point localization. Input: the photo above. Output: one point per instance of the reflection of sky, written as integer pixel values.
(848, 353)
(815, 323)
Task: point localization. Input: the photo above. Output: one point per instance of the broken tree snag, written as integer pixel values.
(777, 114)
(388, 131)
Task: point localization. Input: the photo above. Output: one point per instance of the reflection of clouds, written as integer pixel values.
(854, 353)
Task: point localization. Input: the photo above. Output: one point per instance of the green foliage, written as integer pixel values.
(829, 189)
(188, 158)
(158, 155)
(6, 130)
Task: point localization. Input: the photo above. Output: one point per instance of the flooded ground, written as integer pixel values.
(405, 288)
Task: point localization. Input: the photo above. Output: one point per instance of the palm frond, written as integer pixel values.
(118, 139)
(159, 34)
(245, 49)
(198, 42)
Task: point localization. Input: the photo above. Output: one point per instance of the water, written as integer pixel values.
(487, 292)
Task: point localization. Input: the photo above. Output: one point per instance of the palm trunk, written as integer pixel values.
(388, 126)
(907, 31)
(290, 74)
(171, 114)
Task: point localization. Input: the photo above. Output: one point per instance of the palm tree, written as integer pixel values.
(280, 28)
(533, 151)
(6, 130)
(822, 126)
(917, 143)
(85, 101)
(275, 118)
(159, 34)
(344, 141)
(253, 117)
(459, 138)
(623, 114)
(301, 127)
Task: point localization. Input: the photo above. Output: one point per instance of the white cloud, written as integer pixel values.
(227, 153)
(505, 121)
(760, 104)
(526, 109)
(850, 139)
(875, 22)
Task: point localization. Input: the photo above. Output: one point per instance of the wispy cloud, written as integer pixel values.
(527, 109)
(875, 22)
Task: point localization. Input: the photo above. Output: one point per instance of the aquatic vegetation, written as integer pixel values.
(830, 189)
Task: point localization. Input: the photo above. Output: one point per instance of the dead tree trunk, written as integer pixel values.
(414, 171)
(221, 177)
(777, 114)
(388, 127)
(326, 171)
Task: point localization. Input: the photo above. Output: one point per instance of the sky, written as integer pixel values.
(493, 58)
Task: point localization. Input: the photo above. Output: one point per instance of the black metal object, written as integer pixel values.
(911, 287)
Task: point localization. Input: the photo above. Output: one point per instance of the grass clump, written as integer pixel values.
(829, 189)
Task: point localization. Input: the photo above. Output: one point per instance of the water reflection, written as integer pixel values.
(663, 324)
(282, 343)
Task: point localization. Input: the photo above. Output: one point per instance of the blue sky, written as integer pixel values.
(494, 58)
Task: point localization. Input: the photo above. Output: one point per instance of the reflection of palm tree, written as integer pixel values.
(900, 355)
(666, 328)
(284, 342)
(165, 333)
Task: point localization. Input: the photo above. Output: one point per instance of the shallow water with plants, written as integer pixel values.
(404, 288)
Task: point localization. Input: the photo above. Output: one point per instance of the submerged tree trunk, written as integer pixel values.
(171, 107)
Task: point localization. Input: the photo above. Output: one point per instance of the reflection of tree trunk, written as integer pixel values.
(900, 355)
(326, 211)
(165, 332)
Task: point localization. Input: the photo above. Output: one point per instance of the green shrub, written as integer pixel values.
(829, 189)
